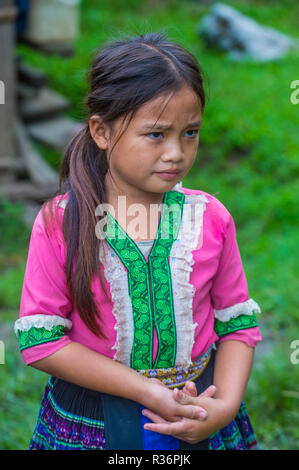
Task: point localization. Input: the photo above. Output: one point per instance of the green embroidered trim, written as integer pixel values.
(139, 292)
(239, 323)
(35, 336)
(150, 287)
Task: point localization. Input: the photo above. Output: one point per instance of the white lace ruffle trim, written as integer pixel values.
(244, 308)
(117, 277)
(181, 262)
(41, 321)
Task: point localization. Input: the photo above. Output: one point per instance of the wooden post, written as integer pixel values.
(7, 89)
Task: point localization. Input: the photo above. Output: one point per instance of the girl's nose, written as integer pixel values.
(174, 153)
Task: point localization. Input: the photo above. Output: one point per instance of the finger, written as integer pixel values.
(185, 389)
(209, 392)
(192, 412)
(153, 416)
(181, 397)
(191, 387)
(166, 428)
(157, 418)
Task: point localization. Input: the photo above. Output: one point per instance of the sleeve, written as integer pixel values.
(45, 301)
(235, 313)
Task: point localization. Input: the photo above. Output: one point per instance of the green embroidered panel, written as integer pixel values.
(239, 323)
(35, 336)
(139, 292)
(150, 287)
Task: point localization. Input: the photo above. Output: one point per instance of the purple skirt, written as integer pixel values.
(75, 418)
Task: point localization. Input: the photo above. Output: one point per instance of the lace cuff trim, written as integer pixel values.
(244, 308)
(62, 203)
(41, 321)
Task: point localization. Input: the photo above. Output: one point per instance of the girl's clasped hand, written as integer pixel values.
(200, 416)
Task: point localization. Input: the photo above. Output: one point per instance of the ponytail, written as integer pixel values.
(124, 75)
(82, 175)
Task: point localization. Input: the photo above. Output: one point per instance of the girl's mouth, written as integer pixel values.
(167, 175)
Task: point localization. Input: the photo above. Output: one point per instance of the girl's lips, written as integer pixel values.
(167, 175)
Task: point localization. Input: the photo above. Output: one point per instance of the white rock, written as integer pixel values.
(242, 37)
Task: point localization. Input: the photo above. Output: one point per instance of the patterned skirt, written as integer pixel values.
(75, 418)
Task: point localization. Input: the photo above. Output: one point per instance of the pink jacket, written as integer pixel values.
(208, 283)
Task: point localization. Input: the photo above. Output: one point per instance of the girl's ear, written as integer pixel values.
(99, 131)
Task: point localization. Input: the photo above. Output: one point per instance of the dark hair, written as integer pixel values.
(125, 74)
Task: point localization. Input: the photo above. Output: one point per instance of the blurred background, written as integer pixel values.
(248, 158)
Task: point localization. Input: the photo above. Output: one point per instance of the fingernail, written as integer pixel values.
(203, 415)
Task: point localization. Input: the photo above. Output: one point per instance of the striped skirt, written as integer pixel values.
(75, 418)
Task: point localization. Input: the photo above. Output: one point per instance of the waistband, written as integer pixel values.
(177, 376)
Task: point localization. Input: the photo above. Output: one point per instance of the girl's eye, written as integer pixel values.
(194, 130)
(157, 134)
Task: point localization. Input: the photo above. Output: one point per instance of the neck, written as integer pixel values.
(119, 198)
(139, 218)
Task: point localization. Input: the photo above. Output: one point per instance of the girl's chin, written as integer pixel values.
(166, 182)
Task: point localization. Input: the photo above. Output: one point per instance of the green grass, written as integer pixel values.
(248, 155)
(21, 391)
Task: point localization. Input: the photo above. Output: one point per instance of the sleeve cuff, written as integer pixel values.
(40, 335)
(234, 324)
(40, 351)
(250, 336)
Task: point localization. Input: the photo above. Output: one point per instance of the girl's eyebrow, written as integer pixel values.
(169, 126)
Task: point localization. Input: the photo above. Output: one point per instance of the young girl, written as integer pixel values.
(121, 310)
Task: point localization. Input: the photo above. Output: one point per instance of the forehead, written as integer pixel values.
(179, 106)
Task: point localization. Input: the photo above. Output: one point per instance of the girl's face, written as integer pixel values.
(144, 154)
